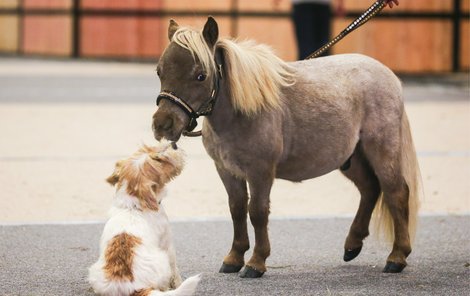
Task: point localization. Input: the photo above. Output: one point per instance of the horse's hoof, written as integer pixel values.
(251, 273)
(392, 267)
(228, 268)
(351, 254)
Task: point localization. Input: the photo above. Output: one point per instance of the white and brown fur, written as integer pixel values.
(136, 251)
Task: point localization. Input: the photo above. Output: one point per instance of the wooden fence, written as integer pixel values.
(419, 36)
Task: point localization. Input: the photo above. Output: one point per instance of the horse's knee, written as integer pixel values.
(259, 216)
(238, 212)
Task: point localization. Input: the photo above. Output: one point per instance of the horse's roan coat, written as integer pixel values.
(294, 121)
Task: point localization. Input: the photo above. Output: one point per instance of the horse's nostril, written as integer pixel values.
(164, 124)
(167, 124)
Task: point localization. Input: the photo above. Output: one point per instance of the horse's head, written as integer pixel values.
(187, 73)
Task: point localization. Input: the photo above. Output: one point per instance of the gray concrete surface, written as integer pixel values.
(306, 259)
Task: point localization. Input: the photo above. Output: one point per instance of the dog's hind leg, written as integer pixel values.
(367, 183)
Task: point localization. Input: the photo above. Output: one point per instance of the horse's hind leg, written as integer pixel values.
(238, 201)
(384, 156)
(367, 183)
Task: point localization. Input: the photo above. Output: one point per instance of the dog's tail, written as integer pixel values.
(186, 288)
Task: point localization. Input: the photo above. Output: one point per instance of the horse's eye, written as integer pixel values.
(201, 77)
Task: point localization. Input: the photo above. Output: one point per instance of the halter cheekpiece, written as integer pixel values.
(206, 108)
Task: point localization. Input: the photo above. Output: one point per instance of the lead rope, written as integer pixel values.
(362, 19)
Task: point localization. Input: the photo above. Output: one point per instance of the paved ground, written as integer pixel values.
(306, 259)
(64, 124)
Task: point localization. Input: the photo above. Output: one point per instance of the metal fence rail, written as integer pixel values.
(456, 17)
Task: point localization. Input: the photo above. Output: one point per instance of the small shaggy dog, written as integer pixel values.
(136, 252)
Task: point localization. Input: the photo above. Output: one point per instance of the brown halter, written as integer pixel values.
(205, 109)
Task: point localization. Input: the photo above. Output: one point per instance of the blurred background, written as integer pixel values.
(418, 36)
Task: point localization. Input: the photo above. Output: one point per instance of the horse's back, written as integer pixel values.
(347, 85)
(348, 75)
(352, 84)
(334, 100)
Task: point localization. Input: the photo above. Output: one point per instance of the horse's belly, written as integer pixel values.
(297, 171)
(320, 159)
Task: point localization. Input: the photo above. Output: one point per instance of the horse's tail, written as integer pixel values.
(411, 173)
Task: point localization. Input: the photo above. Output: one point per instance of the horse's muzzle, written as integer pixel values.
(167, 125)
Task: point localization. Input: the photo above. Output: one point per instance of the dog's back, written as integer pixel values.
(131, 257)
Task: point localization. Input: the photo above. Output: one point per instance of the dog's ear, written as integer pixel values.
(155, 156)
(172, 28)
(114, 178)
(148, 196)
(143, 189)
(146, 183)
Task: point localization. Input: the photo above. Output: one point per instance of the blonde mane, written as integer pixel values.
(255, 74)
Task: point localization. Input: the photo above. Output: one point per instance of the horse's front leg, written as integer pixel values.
(260, 188)
(238, 199)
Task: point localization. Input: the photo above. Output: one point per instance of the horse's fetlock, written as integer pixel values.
(402, 248)
(241, 246)
(359, 234)
(234, 259)
(407, 251)
(399, 255)
(262, 253)
(352, 243)
(257, 264)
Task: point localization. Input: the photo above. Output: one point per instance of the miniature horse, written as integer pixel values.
(270, 119)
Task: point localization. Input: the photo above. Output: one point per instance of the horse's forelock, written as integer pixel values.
(194, 42)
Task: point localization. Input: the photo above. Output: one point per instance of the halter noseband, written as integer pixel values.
(206, 108)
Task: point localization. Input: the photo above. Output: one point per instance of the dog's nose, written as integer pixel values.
(174, 146)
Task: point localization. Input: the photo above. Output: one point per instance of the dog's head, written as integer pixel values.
(145, 173)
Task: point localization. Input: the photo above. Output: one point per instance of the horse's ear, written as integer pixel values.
(211, 31)
(172, 29)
